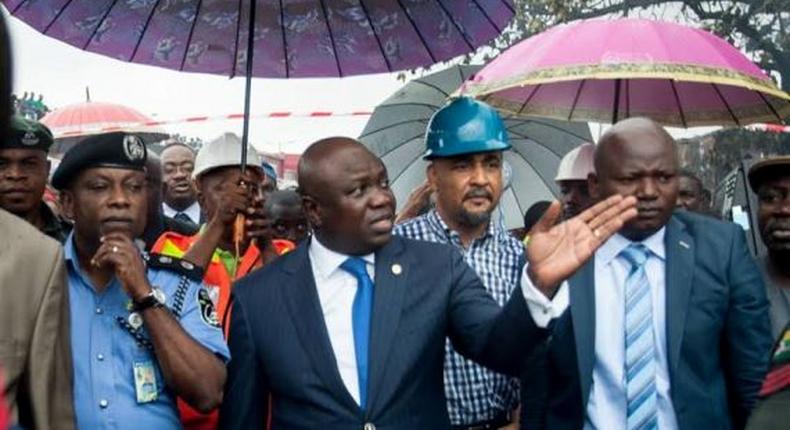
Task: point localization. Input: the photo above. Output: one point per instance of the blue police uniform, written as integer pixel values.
(108, 348)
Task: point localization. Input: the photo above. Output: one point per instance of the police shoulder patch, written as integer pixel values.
(177, 265)
(208, 313)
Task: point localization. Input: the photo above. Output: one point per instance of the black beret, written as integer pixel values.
(27, 134)
(118, 149)
(768, 169)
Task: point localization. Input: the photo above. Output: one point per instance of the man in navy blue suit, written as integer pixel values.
(668, 322)
(348, 330)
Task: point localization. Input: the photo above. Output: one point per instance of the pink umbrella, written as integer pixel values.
(70, 123)
(606, 70)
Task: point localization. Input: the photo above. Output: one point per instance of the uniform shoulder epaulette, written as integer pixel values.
(177, 265)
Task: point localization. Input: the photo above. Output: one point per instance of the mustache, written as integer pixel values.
(478, 192)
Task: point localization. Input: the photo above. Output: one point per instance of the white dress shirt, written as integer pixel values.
(606, 407)
(336, 291)
(193, 212)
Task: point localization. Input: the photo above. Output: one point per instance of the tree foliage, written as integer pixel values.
(759, 27)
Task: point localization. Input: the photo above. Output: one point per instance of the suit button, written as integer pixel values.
(369, 426)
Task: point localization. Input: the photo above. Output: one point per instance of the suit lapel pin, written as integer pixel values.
(685, 245)
(396, 269)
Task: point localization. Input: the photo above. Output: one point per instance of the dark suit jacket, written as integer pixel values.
(279, 342)
(718, 335)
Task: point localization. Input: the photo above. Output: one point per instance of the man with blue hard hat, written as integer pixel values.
(143, 328)
(464, 143)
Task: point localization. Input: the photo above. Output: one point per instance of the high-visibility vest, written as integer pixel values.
(219, 282)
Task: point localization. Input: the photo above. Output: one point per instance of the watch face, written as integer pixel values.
(159, 295)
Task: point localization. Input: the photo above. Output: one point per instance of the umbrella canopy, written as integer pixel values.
(71, 123)
(292, 38)
(396, 130)
(607, 70)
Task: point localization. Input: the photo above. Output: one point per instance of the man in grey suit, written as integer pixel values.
(667, 325)
(348, 330)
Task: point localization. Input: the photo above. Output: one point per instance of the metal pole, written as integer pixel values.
(245, 135)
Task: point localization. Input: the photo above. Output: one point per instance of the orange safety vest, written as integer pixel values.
(219, 282)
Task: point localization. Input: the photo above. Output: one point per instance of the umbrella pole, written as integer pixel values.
(245, 135)
(238, 227)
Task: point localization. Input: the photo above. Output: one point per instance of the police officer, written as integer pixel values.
(143, 329)
(24, 170)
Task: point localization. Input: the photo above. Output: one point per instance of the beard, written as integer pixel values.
(474, 219)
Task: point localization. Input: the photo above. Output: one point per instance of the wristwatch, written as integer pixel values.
(156, 298)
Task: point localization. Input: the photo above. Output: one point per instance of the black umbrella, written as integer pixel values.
(396, 129)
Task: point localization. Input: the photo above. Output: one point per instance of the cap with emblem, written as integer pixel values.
(224, 151)
(27, 134)
(768, 169)
(118, 150)
(577, 164)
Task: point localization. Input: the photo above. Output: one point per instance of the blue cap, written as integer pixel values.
(268, 170)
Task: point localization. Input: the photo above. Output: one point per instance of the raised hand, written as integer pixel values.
(555, 252)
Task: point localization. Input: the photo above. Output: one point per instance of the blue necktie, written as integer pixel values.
(360, 317)
(640, 365)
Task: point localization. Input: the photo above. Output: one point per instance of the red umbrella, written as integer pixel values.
(69, 124)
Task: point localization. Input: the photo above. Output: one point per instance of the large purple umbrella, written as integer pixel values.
(292, 38)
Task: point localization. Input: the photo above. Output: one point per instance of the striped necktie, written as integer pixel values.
(640, 364)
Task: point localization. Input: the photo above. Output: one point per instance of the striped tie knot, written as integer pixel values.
(636, 254)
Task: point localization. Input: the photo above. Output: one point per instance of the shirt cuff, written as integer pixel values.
(540, 307)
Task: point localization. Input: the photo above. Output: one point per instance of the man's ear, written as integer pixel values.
(198, 192)
(431, 175)
(312, 210)
(594, 186)
(66, 198)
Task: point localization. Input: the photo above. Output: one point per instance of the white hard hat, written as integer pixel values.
(222, 152)
(577, 164)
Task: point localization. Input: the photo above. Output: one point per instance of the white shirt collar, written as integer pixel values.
(612, 247)
(193, 211)
(326, 261)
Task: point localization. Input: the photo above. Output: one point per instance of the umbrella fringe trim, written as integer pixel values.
(698, 118)
(677, 72)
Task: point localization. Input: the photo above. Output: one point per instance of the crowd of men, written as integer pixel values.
(184, 290)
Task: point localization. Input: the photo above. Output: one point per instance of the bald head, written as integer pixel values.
(320, 159)
(629, 135)
(636, 157)
(346, 196)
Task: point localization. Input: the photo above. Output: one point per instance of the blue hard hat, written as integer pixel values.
(465, 126)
